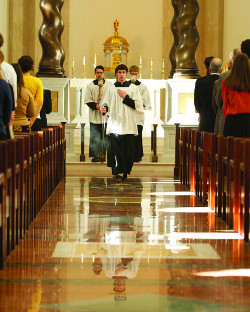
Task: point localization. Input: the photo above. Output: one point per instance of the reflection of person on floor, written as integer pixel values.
(97, 266)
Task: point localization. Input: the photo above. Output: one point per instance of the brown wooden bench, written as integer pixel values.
(3, 225)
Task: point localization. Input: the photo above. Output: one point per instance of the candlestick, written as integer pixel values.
(163, 70)
(73, 68)
(140, 68)
(151, 68)
(94, 65)
(84, 72)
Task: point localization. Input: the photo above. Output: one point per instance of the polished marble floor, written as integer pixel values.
(142, 245)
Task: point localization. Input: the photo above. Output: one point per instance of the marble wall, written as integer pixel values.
(222, 26)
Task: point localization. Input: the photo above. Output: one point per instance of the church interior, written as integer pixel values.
(174, 235)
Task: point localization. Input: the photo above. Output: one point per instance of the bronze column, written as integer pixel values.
(51, 63)
(186, 66)
(176, 6)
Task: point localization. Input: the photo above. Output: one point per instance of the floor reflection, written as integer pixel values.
(142, 245)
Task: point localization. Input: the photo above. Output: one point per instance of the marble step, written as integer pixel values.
(89, 169)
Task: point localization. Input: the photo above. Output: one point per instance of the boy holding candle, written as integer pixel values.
(93, 96)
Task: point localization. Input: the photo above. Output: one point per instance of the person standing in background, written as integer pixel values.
(35, 86)
(140, 116)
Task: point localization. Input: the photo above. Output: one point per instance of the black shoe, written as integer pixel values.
(117, 177)
(124, 177)
(95, 159)
(102, 158)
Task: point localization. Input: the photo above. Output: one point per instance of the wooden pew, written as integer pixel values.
(183, 155)
(28, 178)
(239, 187)
(225, 187)
(3, 225)
(46, 176)
(188, 158)
(193, 158)
(20, 159)
(221, 152)
(177, 153)
(31, 165)
(212, 150)
(245, 193)
(15, 199)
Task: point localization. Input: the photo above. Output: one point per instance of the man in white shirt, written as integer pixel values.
(94, 93)
(121, 102)
(9, 75)
(134, 71)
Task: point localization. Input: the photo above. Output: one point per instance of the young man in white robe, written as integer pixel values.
(140, 116)
(120, 102)
(94, 92)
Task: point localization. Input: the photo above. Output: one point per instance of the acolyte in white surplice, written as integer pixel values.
(146, 102)
(122, 117)
(91, 99)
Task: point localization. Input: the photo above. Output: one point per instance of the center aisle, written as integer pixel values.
(141, 245)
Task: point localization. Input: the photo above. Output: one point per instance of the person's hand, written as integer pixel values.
(119, 268)
(99, 97)
(121, 93)
(32, 120)
(103, 110)
(97, 106)
(11, 118)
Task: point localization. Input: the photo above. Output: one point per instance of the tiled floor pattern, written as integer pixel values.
(141, 245)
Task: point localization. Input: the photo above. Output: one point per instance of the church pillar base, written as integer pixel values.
(169, 144)
(70, 142)
(186, 74)
(51, 72)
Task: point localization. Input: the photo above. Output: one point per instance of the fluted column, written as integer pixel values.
(176, 6)
(51, 63)
(186, 66)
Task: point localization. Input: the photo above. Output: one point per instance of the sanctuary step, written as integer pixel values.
(146, 146)
(143, 169)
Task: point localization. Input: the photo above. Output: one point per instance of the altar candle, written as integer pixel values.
(83, 61)
(151, 62)
(95, 61)
(140, 60)
(73, 63)
(163, 64)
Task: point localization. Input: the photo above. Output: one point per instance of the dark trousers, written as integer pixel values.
(3, 137)
(37, 125)
(122, 148)
(138, 153)
(96, 145)
(237, 125)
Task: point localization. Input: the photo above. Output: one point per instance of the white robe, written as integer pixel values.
(9, 75)
(122, 118)
(146, 104)
(92, 93)
(125, 248)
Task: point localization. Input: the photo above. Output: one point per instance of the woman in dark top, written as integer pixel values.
(5, 104)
